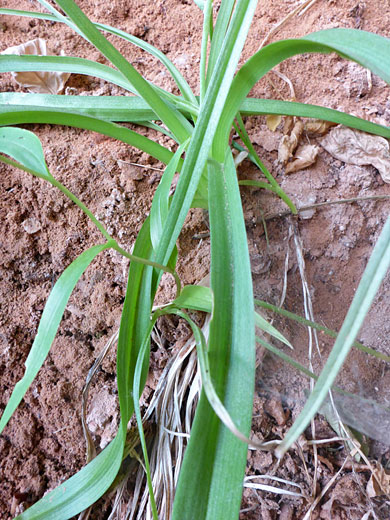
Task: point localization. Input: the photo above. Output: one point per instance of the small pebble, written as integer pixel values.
(31, 225)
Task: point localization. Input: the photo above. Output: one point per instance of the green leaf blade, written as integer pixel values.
(26, 149)
(372, 277)
(13, 63)
(371, 51)
(368, 49)
(48, 326)
(176, 123)
(206, 128)
(81, 490)
(134, 321)
(251, 106)
(210, 484)
(263, 324)
(195, 297)
(130, 109)
(21, 115)
(180, 81)
(160, 206)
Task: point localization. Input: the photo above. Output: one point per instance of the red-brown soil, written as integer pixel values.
(43, 443)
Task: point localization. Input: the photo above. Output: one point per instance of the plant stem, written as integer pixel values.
(203, 55)
(82, 206)
(164, 268)
(240, 128)
(113, 243)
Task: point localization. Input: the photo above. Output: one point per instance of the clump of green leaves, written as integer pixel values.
(210, 483)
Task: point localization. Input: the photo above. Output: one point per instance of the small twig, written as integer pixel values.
(309, 315)
(91, 449)
(302, 7)
(307, 7)
(369, 81)
(287, 212)
(288, 81)
(323, 492)
(142, 166)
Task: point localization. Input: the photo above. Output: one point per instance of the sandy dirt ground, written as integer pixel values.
(41, 233)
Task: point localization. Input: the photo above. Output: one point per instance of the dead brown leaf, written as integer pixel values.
(305, 156)
(317, 127)
(326, 463)
(273, 121)
(38, 82)
(288, 124)
(359, 148)
(379, 483)
(274, 408)
(289, 143)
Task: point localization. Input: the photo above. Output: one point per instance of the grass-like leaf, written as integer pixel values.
(205, 129)
(195, 297)
(201, 299)
(135, 109)
(372, 277)
(251, 106)
(11, 62)
(317, 326)
(21, 115)
(175, 73)
(168, 115)
(231, 359)
(218, 35)
(273, 185)
(370, 50)
(131, 109)
(81, 490)
(48, 325)
(160, 205)
(26, 149)
(263, 324)
(210, 483)
(135, 319)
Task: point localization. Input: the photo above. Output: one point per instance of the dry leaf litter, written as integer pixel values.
(39, 82)
(358, 148)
